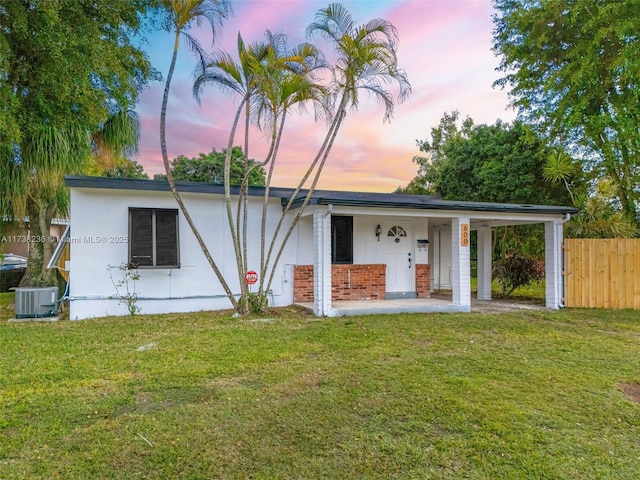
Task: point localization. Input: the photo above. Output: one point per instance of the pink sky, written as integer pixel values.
(445, 48)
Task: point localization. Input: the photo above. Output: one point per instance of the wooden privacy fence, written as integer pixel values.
(602, 273)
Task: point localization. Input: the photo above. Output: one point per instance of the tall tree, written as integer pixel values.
(182, 14)
(491, 163)
(268, 79)
(488, 163)
(68, 70)
(365, 61)
(573, 71)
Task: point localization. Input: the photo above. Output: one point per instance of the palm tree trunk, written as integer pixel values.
(235, 234)
(276, 136)
(340, 117)
(172, 184)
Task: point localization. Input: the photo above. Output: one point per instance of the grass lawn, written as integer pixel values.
(6, 305)
(535, 291)
(534, 395)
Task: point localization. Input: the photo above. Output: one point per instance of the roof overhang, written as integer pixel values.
(364, 200)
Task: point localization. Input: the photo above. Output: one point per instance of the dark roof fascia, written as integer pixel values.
(321, 197)
(433, 203)
(79, 181)
(326, 197)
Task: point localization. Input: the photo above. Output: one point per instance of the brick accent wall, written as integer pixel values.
(358, 282)
(303, 283)
(348, 282)
(423, 280)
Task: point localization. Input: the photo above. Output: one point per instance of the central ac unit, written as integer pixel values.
(35, 302)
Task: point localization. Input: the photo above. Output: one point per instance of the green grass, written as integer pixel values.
(534, 291)
(532, 395)
(6, 305)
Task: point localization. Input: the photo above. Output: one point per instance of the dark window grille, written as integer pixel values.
(341, 239)
(153, 238)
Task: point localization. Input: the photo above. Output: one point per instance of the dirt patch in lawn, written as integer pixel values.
(502, 306)
(632, 390)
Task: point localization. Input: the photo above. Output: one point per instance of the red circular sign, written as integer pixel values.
(251, 277)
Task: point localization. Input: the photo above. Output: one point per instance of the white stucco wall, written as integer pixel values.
(99, 231)
(366, 248)
(99, 240)
(440, 257)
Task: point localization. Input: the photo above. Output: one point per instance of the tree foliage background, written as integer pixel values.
(209, 168)
(69, 72)
(500, 163)
(573, 72)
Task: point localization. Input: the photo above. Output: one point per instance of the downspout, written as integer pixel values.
(439, 263)
(329, 210)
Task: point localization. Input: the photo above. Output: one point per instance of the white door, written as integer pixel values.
(398, 257)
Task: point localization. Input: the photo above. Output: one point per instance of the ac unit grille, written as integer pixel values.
(36, 302)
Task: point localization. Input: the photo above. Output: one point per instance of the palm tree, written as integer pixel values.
(264, 72)
(183, 13)
(117, 138)
(46, 154)
(240, 80)
(270, 80)
(598, 217)
(37, 176)
(366, 59)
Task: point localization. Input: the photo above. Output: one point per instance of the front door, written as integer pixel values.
(398, 257)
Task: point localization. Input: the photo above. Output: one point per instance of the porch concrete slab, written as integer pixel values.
(377, 307)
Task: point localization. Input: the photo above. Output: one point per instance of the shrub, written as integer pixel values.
(256, 303)
(516, 271)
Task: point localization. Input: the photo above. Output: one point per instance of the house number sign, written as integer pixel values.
(251, 277)
(464, 235)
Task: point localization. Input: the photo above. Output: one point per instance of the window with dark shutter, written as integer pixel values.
(153, 238)
(341, 239)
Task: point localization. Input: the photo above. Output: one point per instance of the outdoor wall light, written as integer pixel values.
(422, 244)
(378, 232)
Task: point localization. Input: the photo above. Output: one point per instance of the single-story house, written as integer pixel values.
(350, 253)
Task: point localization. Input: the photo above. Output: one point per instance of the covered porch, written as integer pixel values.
(386, 253)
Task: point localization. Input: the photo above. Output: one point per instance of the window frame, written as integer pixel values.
(154, 243)
(336, 228)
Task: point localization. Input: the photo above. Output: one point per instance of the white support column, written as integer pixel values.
(461, 262)
(553, 235)
(485, 251)
(321, 263)
(431, 261)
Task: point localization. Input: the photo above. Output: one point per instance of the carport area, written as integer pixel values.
(440, 302)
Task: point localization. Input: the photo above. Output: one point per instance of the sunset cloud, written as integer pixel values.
(445, 48)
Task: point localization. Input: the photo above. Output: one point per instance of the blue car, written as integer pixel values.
(12, 268)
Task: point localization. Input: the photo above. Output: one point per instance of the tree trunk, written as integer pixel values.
(41, 246)
(172, 184)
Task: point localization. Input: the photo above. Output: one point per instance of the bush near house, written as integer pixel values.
(516, 270)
